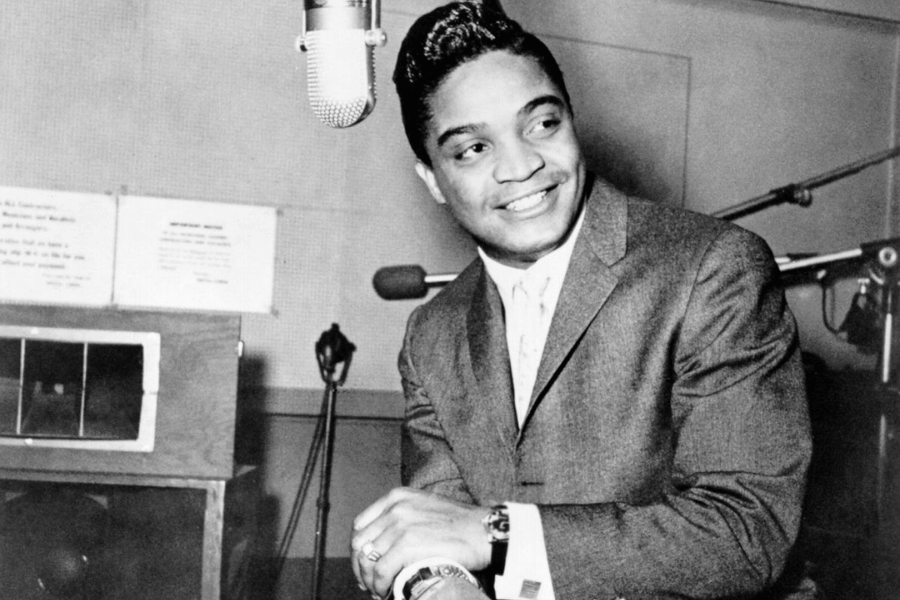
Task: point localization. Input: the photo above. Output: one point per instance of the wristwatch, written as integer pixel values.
(496, 524)
(426, 577)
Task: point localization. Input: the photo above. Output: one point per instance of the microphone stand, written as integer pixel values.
(886, 253)
(800, 193)
(886, 258)
(332, 349)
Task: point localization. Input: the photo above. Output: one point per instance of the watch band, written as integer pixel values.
(496, 524)
(427, 576)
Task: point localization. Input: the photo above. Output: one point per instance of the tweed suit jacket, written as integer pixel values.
(667, 440)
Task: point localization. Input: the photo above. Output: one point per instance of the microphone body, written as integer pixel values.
(338, 36)
(407, 282)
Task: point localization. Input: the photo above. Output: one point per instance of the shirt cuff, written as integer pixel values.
(526, 575)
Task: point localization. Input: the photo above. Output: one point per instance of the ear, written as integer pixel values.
(427, 175)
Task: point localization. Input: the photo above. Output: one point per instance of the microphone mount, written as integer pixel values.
(352, 18)
(884, 253)
(332, 349)
(801, 193)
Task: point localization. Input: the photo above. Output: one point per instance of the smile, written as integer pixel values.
(526, 202)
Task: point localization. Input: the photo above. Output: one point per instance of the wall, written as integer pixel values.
(695, 102)
(880, 9)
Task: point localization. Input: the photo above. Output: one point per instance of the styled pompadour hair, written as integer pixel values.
(447, 37)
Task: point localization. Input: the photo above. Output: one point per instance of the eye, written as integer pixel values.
(471, 151)
(545, 125)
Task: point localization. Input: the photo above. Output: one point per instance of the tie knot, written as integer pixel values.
(533, 285)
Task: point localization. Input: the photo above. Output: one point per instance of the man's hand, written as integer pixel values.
(408, 525)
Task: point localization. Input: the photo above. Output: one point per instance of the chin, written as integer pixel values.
(542, 240)
(531, 252)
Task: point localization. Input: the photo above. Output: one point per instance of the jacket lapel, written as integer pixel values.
(490, 362)
(588, 283)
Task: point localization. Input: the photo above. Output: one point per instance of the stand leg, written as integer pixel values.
(880, 475)
(888, 306)
(323, 503)
(213, 527)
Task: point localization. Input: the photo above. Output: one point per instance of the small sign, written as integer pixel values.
(135, 251)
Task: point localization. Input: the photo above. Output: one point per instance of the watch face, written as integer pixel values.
(497, 524)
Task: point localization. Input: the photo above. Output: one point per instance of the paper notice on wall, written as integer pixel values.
(194, 255)
(56, 247)
(135, 252)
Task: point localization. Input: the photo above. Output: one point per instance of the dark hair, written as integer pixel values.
(447, 37)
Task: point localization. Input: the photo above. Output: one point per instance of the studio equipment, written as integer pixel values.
(874, 308)
(332, 349)
(117, 455)
(338, 37)
(801, 193)
(407, 281)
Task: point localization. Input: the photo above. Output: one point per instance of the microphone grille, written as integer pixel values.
(402, 282)
(341, 76)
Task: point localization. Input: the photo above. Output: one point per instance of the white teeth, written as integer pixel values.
(526, 202)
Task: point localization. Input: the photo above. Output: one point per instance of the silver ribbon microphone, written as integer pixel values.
(339, 37)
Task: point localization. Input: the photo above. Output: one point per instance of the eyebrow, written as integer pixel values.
(442, 139)
(529, 106)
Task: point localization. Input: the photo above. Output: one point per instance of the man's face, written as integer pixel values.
(505, 157)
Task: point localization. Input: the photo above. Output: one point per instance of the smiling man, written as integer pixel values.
(503, 155)
(608, 402)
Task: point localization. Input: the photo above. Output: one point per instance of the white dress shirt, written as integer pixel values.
(527, 572)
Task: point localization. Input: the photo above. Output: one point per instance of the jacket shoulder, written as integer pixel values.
(448, 308)
(672, 230)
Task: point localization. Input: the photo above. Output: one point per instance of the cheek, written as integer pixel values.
(467, 214)
(464, 195)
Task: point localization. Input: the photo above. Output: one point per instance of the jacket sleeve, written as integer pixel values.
(726, 525)
(428, 462)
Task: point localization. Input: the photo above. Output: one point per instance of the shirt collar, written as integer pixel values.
(553, 265)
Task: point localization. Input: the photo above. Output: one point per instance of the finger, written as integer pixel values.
(370, 525)
(356, 542)
(380, 560)
(356, 571)
(378, 507)
(361, 546)
(379, 574)
(385, 571)
(367, 560)
(363, 532)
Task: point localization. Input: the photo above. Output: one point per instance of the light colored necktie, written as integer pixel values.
(529, 304)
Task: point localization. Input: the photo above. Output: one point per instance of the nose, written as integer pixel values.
(517, 161)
